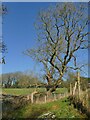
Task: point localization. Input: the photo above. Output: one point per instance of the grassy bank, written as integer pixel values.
(60, 108)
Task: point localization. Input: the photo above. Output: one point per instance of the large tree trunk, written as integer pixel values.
(52, 88)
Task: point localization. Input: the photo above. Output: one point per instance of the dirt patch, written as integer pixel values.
(55, 107)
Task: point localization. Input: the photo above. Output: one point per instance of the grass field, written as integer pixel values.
(26, 91)
(60, 108)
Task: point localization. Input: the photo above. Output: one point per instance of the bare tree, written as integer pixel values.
(62, 31)
(3, 10)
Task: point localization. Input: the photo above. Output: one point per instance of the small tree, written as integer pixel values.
(62, 31)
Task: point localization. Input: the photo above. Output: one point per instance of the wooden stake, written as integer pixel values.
(45, 98)
(54, 96)
(31, 97)
(87, 100)
(78, 77)
(74, 89)
(70, 89)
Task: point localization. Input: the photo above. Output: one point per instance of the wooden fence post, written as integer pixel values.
(31, 97)
(74, 89)
(87, 100)
(70, 89)
(28, 97)
(37, 99)
(78, 77)
(45, 98)
(54, 96)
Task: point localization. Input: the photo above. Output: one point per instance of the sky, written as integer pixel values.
(19, 34)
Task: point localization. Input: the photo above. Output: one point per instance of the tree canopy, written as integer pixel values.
(62, 31)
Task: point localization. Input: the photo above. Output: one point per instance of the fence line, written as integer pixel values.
(80, 98)
(43, 98)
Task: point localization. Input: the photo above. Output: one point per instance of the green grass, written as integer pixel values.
(26, 91)
(20, 91)
(60, 108)
(61, 90)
